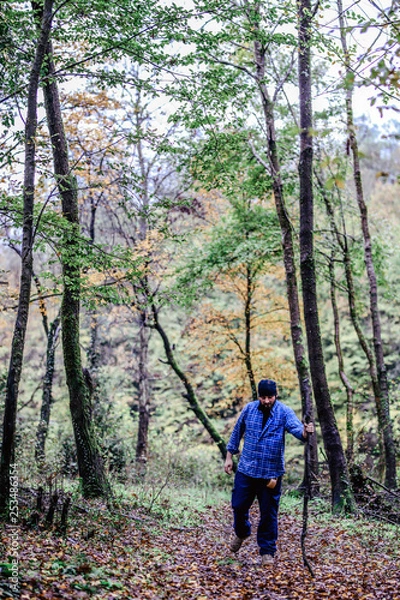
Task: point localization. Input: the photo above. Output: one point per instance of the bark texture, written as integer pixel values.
(144, 332)
(274, 168)
(342, 373)
(18, 340)
(340, 485)
(144, 392)
(343, 244)
(382, 389)
(247, 319)
(90, 464)
(47, 395)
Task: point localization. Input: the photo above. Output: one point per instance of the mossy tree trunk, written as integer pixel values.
(90, 464)
(18, 340)
(47, 395)
(189, 394)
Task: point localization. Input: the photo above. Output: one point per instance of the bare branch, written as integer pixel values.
(257, 156)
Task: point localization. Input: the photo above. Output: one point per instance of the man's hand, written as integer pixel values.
(228, 464)
(308, 428)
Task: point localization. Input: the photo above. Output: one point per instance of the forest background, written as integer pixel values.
(176, 214)
(153, 169)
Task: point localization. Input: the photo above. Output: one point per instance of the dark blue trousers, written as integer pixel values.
(245, 490)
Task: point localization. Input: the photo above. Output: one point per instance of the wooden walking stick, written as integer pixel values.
(307, 496)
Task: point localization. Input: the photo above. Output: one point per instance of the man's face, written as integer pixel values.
(267, 400)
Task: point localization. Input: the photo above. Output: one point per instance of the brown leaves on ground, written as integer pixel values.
(134, 556)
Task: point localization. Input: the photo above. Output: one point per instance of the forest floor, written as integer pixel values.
(133, 555)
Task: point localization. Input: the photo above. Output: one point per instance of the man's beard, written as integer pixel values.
(266, 410)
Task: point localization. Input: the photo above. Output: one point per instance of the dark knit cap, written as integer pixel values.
(267, 387)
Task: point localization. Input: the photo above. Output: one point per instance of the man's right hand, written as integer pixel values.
(228, 464)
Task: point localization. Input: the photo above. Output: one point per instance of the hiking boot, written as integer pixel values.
(267, 560)
(236, 543)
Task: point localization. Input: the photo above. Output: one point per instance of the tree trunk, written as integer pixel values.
(144, 393)
(47, 397)
(51, 337)
(341, 491)
(90, 464)
(382, 397)
(274, 168)
(190, 394)
(92, 353)
(342, 374)
(18, 341)
(144, 333)
(247, 317)
(342, 240)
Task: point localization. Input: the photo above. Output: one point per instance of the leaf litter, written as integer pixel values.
(135, 556)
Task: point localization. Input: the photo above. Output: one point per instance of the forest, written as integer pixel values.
(196, 195)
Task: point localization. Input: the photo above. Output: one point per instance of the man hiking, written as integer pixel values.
(263, 424)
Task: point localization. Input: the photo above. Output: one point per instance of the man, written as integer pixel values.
(263, 423)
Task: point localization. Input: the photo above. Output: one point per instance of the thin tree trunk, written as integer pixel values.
(144, 333)
(92, 353)
(90, 464)
(382, 398)
(18, 341)
(51, 337)
(342, 240)
(342, 373)
(144, 394)
(341, 490)
(190, 394)
(274, 168)
(47, 396)
(247, 317)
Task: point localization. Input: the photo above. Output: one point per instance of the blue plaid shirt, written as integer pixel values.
(263, 450)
